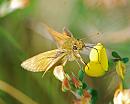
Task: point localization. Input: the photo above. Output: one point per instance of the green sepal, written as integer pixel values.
(94, 95)
(72, 86)
(125, 60)
(64, 90)
(79, 92)
(84, 85)
(115, 54)
(81, 74)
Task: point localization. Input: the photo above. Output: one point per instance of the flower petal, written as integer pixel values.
(122, 96)
(98, 55)
(95, 53)
(104, 59)
(94, 69)
(59, 72)
(120, 69)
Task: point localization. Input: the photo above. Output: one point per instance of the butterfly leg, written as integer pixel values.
(44, 73)
(78, 63)
(81, 60)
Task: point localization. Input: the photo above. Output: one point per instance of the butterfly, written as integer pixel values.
(68, 49)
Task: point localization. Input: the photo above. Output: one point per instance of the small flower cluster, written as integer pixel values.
(79, 88)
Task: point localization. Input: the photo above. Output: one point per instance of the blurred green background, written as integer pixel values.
(21, 38)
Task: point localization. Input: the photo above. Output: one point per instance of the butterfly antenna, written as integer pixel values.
(84, 38)
(92, 35)
(43, 74)
(95, 34)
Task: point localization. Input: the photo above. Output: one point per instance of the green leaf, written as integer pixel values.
(115, 54)
(125, 60)
(81, 75)
(79, 92)
(94, 95)
(85, 85)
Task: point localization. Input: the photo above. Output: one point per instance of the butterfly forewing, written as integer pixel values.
(43, 61)
(59, 37)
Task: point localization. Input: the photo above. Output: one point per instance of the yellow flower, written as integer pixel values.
(120, 69)
(98, 61)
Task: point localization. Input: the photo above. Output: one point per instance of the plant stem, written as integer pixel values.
(16, 93)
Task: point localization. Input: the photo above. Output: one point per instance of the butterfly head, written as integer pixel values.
(78, 45)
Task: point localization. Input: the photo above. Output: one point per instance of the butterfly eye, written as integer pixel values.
(74, 47)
